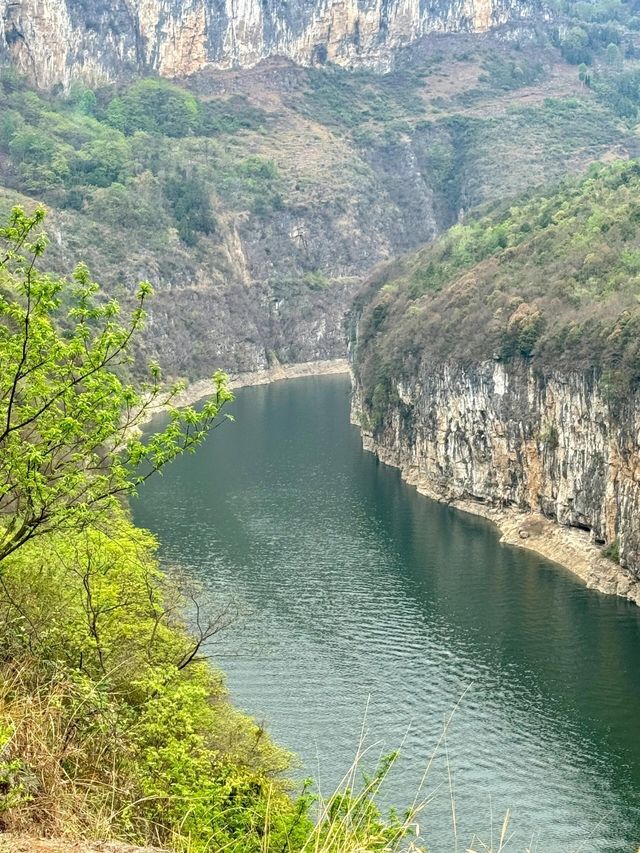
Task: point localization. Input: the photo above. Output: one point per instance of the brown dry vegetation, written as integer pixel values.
(29, 844)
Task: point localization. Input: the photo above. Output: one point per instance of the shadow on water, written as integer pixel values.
(355, 586)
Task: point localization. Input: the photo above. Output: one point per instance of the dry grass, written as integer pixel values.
(43, 725)
(30, 844)
(74, 803)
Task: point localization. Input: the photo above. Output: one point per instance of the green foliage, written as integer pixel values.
(154, 106)
(603, 35)
(191, 206)
(67, 150)
(349, 99)
(554, 278)
(509, 74)
(620, 91)
(68, 449)
(345, 149)
(104, 161)
(122, 712)
(252, 183)
(219, 117)
(314, 280)
(575, 46)
(82, 98)
(112, 723)
(584, 75)
(44, 163)
(159, 107)
(612, 551)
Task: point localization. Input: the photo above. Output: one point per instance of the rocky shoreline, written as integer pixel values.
(197, 391)
(276, 373)
(569, 547)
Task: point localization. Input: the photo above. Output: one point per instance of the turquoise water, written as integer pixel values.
(364, 604)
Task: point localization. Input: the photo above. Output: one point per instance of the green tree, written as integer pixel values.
(191, 207)
(43, 162)
(575, 46)
(82, 97)
(154, 106)
(584, 75)
(104, 161)
(614, 57)
(70, 446)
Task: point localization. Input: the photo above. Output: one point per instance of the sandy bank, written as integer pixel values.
(204, 387)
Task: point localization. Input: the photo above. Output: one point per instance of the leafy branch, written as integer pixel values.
(70, 444)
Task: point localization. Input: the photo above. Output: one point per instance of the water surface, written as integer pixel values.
(359, 595)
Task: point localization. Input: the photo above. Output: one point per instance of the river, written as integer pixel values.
(363, 603)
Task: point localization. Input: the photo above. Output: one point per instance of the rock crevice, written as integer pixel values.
(54, 41)
(519, 447)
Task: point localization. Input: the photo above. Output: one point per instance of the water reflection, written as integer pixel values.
(356, 586)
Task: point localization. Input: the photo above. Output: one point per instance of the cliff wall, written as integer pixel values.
(501, 436)
(53, 41)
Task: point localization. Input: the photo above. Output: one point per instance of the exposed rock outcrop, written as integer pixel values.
(53, 41)
(523, 449)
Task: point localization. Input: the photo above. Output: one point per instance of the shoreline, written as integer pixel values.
(276, 373)
(202, 388)
(568, 547)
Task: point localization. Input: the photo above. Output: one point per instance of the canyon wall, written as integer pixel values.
(54, 41)
(500, 435)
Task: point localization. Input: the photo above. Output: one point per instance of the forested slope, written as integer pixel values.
(553, 279)
(256, 200)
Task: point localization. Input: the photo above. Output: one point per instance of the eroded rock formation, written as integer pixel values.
(503, 436)
(53, 41)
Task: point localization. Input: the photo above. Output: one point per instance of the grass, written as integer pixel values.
(40, 721)
(348, 820)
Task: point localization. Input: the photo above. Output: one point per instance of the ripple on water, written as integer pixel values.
(357, 594)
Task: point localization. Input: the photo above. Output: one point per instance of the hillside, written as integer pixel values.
(499, 368)
(553, 279)
(255, 201)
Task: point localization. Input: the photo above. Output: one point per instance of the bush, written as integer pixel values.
(154, 106)
(612, 551)
(107, 702)
(191, 206)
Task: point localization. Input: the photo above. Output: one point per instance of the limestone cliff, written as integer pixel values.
(53, 41)
(490, 381)
(505, 436)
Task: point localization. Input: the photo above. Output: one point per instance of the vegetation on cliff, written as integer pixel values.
(553, 279)
(255, 200)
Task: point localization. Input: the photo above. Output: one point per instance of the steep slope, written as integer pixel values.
(501, 365)
(56, 41)
(256, 201)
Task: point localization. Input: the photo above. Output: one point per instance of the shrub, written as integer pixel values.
(154, 106)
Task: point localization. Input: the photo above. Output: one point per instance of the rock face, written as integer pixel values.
(502, 436)
(53, 41)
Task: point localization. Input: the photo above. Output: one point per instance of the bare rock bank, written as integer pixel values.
(548, 459)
